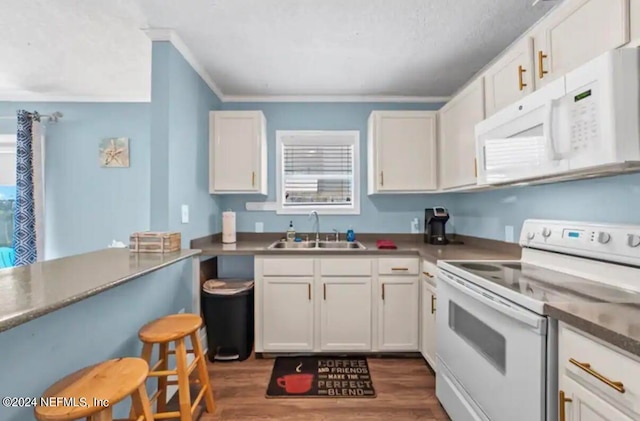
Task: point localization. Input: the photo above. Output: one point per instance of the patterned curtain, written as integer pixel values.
(24, 226)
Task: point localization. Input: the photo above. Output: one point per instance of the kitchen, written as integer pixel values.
(389, 159)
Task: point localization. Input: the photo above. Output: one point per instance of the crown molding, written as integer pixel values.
(336, 98)
(166, 34)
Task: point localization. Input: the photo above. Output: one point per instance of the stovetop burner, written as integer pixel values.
(480, 267)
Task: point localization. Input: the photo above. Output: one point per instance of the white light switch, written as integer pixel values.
(185, 214)
(508, 233)
(259, 226)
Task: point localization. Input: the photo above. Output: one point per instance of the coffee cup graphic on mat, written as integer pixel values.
(296, 383)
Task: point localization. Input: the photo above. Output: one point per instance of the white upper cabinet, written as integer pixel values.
(511, 77)
(457, 150)
(402, 152)
(237, 152)
(634, 12)
(576, 32)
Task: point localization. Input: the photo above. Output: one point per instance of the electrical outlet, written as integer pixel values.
(508, 234)
(185, 214)
(259, 226)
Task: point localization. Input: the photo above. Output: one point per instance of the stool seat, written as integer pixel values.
(110, 381)
(170, 328)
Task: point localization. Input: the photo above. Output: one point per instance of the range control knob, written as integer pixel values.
(604, 237)
(633, 240)
(531, 235)
(546, 232)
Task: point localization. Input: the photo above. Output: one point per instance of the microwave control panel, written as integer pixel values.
(583, 117)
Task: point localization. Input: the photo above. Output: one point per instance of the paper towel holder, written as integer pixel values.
(228, 227)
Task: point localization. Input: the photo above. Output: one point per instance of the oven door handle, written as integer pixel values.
(485, 298)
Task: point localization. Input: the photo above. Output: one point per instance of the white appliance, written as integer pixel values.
(496, 348)
(228, 227)
(585, 123)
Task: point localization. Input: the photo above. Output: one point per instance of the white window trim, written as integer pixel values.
(322, 210)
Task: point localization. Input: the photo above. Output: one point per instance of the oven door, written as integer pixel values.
(518, 142)
(494, 352)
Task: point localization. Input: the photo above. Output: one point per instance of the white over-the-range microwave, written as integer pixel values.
(585, 123)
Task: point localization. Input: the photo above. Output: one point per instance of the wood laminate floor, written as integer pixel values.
(405, 390)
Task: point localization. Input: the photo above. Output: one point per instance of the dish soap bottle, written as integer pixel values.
(351, 236)
(291, 232)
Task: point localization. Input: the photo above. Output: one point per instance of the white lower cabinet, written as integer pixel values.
(345, 314)
(287, 314)
(597, 381)
(581, 404)
(337, 304)
(398, 313)
(428, 320)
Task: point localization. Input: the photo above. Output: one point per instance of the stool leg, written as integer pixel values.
(147, 350)
(184, 395)
(161, 403)
(203, 374)
(141, 403)
(104, 415)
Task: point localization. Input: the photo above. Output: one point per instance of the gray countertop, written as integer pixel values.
(616, 323)
(472, 249)
(32, 291)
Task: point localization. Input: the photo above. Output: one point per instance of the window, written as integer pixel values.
(318, 170)
(7, 188)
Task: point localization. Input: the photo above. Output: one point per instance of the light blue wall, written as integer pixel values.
(388, 213)
(485, 214)
(180, 105)
(88, 206)
(38, 353)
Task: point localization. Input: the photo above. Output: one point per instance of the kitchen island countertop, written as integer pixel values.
(32, 291)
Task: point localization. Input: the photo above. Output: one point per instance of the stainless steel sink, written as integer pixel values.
(293, 245)
(311, 245)
(340, 245)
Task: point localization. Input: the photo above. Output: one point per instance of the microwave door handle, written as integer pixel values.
(522, 317)
(547, 131)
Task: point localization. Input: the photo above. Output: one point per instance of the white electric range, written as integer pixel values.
(496, 347)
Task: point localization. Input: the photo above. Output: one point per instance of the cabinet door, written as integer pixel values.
(405, 150)
(398, 313)
(345, 311)
(511, 77)
(429, 324)
(578, 31)
(581, 404)
(634, 12)
(287, 314)
(236, 151)
(457, 142)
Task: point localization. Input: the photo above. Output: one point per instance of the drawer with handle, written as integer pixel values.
(398, 266)
(600, 368)
(429, 272)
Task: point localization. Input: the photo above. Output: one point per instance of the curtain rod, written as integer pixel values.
(53, 117)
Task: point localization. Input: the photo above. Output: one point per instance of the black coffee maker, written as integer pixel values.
(434, 221)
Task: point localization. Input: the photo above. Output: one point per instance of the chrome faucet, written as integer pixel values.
(316, 224)
(337, 234)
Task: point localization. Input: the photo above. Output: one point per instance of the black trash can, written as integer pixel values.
(227, 306)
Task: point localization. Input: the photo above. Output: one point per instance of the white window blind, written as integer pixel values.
(318, 171)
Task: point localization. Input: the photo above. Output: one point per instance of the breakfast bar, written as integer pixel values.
(60, 315)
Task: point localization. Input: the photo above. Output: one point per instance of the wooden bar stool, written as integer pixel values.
(91, 392)
(176, 328)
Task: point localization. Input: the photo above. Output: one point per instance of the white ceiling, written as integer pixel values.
(94, 48)
(59, 49)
